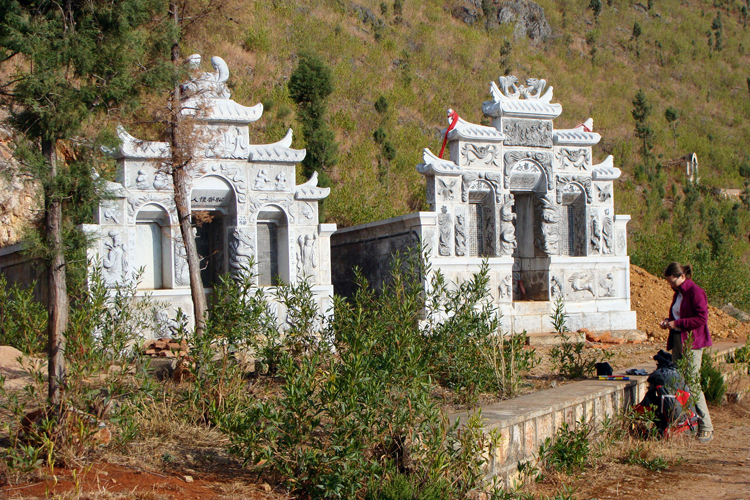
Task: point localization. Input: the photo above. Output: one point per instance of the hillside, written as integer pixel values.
(427, 60)
(423, 57)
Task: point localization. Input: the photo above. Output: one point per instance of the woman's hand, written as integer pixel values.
(667, 325)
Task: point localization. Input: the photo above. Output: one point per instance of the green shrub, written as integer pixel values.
(356, 403)
(23, 321)
(571, 358)
(403, 487)
(712, 380)
(570, 451)
(465, 345)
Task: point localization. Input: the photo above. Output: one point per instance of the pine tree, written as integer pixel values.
(309, 86)
(81, 57)
(596, 8)
(641, 112)
(672, 115)
(717, 28)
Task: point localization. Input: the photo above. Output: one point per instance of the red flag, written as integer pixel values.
(453, 121)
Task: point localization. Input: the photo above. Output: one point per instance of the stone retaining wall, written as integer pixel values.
(525, 422)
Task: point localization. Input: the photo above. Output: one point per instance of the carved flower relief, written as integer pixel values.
(110, 212)
(487, 156)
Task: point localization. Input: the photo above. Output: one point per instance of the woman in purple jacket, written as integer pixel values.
(688, 315)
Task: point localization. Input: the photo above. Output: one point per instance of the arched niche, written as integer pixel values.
(573, 220)
(154, 247)
(213, 208)
(273, 246)
(482, 219)
(526, 176)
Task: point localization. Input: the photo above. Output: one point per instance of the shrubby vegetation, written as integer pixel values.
(341, 406)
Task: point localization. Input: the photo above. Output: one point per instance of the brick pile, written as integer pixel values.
(166, 348)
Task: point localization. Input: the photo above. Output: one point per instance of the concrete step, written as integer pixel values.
(545, 339)
(525, 422)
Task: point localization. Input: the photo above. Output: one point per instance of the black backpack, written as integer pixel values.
(668, 396)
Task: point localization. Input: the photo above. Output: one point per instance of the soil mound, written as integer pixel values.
(650, 298)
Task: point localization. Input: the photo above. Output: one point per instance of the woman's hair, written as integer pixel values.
(676, 270)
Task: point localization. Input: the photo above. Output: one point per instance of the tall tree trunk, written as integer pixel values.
(182, 182)
(57, 306)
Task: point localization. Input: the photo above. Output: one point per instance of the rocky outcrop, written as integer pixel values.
(18, 200)
(528, 18)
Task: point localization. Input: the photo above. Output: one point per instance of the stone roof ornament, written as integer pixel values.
(209, 84)
(522, 101)
(532, 90)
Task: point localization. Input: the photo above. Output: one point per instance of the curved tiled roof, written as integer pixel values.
(467, 130)
(575, 137)
(434, 165)
(278, 151)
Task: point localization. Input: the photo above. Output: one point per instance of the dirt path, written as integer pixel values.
(717, 470)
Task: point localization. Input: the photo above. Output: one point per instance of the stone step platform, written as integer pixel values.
(617, 336)
(525, 422)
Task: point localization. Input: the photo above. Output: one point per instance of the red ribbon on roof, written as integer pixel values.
(453, 116)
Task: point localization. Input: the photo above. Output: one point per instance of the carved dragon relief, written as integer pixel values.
(582, 181)
(573, 158)
(550, 229)
(241, 252)
(533, 89)
(486, 155)
(507, 228)
(544, 160)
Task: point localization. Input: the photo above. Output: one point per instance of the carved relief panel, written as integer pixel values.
(527, 133)
(444, 231)
(478, 156)
(573, 158)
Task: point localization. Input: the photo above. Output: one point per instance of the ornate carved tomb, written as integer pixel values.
(245, 203)
(526, 197)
